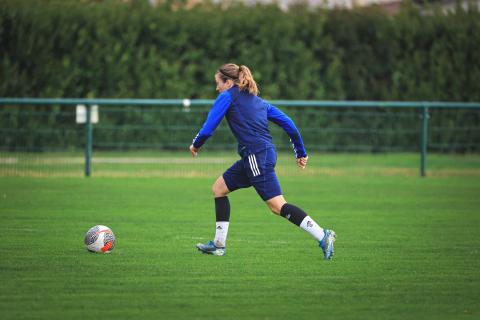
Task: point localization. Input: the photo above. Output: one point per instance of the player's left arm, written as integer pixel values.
(281, 119)
(215, 116)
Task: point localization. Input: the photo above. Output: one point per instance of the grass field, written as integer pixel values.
(213, 163)
(407, 247)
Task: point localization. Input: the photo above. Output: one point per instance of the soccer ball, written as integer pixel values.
(100, 239)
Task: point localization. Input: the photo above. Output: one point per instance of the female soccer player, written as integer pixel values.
(248, 117)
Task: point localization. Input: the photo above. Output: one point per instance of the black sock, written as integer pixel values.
(222, 208)
(292, 213)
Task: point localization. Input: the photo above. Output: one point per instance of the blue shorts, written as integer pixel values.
(257, 170)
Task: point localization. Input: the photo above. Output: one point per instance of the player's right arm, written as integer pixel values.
(281, 119)
(215, 116)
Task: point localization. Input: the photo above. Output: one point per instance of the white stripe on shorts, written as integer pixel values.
(252, 166)
(255, 164)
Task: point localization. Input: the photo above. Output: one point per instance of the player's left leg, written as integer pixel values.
(264, 179)
(297, 216)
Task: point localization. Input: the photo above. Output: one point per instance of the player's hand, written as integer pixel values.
(302, 162)
(194, 151)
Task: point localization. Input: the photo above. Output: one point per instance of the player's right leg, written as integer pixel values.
(211, 248)
(234, 178)
(222, 212)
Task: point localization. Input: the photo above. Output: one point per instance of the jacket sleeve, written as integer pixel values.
(215, 116)
(282, 120)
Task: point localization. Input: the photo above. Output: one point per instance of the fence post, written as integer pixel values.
(424, 141)
(88, 145)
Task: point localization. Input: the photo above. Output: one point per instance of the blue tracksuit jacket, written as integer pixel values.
(248, 117)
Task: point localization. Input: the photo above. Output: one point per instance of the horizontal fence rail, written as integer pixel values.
(421, 131)
(193, 102)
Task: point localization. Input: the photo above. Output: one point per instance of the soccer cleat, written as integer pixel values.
(210, 248)
(327, 244)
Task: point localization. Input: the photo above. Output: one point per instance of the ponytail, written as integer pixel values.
(245, 80)
(240, 75)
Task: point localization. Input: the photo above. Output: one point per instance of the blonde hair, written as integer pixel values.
(240, 75)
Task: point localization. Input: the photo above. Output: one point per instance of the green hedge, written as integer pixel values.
(128, 49)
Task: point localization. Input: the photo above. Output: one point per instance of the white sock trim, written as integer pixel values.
(221, 231)
(309, 225)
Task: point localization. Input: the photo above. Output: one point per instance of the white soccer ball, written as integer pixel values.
(100, 239)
